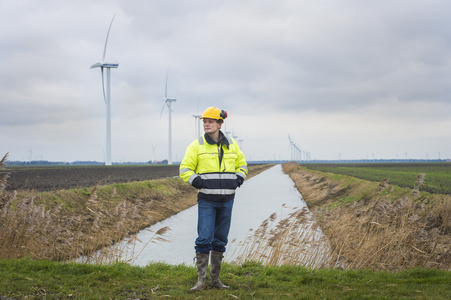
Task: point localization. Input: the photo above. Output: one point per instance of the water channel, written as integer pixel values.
(272, 191)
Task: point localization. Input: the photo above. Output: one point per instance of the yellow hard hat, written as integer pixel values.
(214, 113)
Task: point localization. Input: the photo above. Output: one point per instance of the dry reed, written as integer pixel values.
(294, 240)
(378, 231)
(64, 225)
(70, 228)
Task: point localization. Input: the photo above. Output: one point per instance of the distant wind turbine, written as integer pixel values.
(197, 120)
(168, 102)
(153, 148)
(291, 147)
(240, 143)
(196, 124)
(106, 94)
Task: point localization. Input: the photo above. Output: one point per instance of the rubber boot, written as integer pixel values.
(215, 269)
(202, 264)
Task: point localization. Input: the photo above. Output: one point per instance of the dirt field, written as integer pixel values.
(68, 177)
(64, 177)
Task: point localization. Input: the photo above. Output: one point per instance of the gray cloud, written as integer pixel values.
(273, 66)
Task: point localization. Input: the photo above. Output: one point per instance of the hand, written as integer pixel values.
(239, 180)
(198, 182)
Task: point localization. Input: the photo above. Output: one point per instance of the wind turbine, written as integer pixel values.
(291, 147)
(168, 102)
(196, 124)
(106, 94)
(153, 148)
(197, 120)
(240, 143)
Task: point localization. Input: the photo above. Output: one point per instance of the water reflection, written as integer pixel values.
(261, 196)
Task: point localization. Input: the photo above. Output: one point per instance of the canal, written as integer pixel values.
(272, 192)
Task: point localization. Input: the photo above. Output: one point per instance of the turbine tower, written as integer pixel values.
(196, 124)
(291, 147)
(168, 102)
(197, 119)
(106, 94)
(240, 143)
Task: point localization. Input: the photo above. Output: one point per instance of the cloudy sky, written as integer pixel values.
(347, 79)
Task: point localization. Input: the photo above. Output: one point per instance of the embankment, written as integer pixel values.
(377, 225)
(64, 224)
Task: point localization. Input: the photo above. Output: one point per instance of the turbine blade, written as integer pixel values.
(96, 65)
(106, 41)
(103, 86)
(162, 109)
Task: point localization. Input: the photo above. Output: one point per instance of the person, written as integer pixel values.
(215, 165)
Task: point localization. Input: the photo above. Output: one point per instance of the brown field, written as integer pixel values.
(52, 178)
(68, 177)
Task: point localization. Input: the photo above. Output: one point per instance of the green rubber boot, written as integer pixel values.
(215, 269)
(202, 264)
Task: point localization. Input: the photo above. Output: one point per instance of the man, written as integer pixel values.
(215, 165)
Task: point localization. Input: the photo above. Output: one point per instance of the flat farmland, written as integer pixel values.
(70, 177)
(438, 175)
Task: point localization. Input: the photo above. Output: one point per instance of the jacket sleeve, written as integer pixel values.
(188, 165)
(240, 164)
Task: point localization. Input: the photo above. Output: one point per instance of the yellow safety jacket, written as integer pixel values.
(216, 169)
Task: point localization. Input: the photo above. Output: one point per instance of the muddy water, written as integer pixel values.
(270, 192)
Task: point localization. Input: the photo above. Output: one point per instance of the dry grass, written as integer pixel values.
(67, 224)
(378, 226)
(295, 240)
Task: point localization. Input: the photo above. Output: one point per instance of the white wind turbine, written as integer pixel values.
(168, 102)
(153, 148)
(240, 143)
(197, 120)
(106, 94)
(196, 124)
(291, 148)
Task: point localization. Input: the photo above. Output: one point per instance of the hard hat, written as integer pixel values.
(214, 113)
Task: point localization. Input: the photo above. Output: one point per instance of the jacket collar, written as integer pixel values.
(222, 139)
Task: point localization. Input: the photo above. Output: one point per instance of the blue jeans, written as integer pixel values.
(213, 224)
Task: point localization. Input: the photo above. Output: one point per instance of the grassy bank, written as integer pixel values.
(44, 279)
(378, 225)
(65, 224)
(438, 175)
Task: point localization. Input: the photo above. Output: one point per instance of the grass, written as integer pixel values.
(385, 242)
(294, 240)
(66, 224)
(30, 279)
(377, 225)
(438, 175)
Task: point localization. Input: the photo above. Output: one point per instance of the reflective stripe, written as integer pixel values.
(243, 167)
(201, 140)
(217, 191)
(218, 176)
(184, 170)
(192, 177)
(239, 174)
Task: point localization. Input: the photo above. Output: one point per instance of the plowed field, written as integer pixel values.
(68, 177)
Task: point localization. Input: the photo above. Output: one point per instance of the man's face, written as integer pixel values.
(211, 125)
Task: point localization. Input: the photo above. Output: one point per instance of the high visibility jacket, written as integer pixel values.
(221, 167)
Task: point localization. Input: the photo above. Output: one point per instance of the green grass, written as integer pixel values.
(45, 279)
(438, 175)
